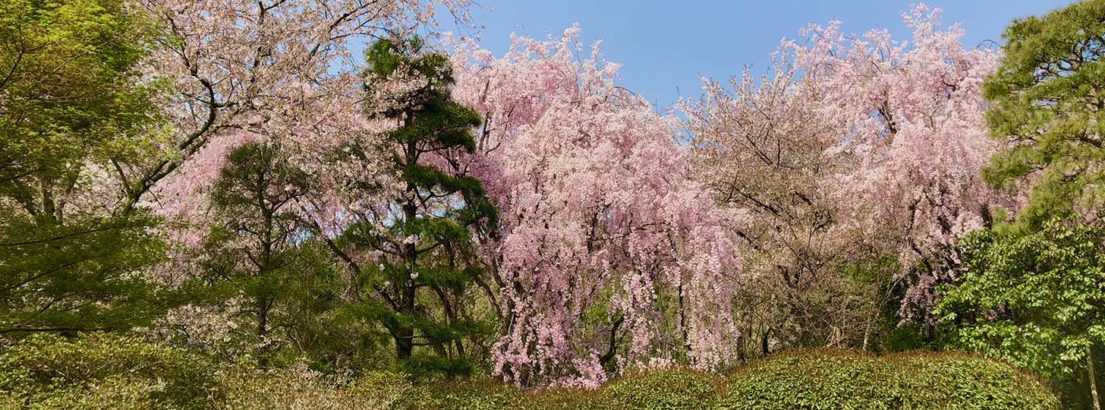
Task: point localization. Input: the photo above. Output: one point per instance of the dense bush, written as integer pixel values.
(245, 387)
(669, 389)
(846, 379)
(100, 370)
(461, 395)
(831, 379)
(565, 399)
(658, 389)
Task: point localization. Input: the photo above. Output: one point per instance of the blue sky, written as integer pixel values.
(665, 47)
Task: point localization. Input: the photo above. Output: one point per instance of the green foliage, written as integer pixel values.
(78, 276)
(105, 371)
(321, 325)
(845, 379)
(1032, 291)
(261, 249)
(831, 379)
(902, 337)
(666, 389)
(656, 389)
(245, 387)
(462, 395)
(70, 107)
(1046, 101)
(71, 99)
(418, 286)
(68, 84)
(254, 248)
(564, 399)
(102, 370)
(1035, 299)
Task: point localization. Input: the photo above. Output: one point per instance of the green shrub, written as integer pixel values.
(564, 399)
(954, 380)
(102, 370)
(246, 387)
(812, 380)
(658, 389)
(110, 371)
(662, 389)
(462, 395)
(114, 392)
(844, 379)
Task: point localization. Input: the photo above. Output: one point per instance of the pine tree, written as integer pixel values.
(1047, 101)
(423, 238)
(252, 247)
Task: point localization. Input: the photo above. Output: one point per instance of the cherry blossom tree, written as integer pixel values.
(279, 70)
(282, 72)
(607, 256)
(912, 112)
(764, 148)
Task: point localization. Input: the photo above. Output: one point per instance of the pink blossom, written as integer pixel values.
(597, 213)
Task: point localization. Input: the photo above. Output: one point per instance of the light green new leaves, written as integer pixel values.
(1037, 300)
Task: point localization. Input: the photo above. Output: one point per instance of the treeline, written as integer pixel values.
(231, 181)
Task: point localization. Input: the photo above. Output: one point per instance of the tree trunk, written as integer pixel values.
(683, 321)
(867, 328)
(263, 308)
(403, 344)
(1093, 378)
(404, 336)
(612, 348)
(262, 317)
(765, 342)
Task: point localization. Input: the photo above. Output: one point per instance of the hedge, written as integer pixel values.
(663, 389)
(813, 379)
(914, 380)
(660, 389)
(108, 371)
(99, 371)
(102, 371)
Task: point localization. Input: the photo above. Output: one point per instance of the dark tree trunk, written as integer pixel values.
(404, 342)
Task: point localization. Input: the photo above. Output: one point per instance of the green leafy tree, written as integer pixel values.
(1037, 300)
(419, 239)
(1032, 291)
(69, 105)
(1047, 101)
